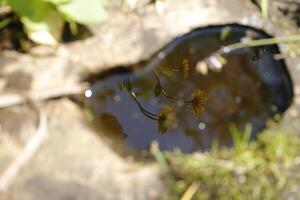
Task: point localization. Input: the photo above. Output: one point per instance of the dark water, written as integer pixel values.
(182, 102)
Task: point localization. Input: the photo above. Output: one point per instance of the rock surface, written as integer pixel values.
(73, 163)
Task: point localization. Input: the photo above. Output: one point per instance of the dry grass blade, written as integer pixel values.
(190, 192)
(264, 4)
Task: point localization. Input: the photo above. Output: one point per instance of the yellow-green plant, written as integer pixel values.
(43, 20)
(264, 4)
(262, 169)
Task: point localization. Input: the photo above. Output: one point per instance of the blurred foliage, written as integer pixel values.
(264, 4)
(44, 20)
(262, 169)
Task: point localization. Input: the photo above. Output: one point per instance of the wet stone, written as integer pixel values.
(192, 91)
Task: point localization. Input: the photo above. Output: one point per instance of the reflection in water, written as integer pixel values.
(181, 101)
(110, 126)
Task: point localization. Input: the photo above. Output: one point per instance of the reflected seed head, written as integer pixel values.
(185, 68)
(198, 100)
(166, 118)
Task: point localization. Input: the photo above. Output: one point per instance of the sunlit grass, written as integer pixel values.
(262, 169)
(264, 4)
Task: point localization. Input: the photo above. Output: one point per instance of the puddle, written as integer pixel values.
(182, 102)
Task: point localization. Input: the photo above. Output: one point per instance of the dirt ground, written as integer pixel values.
(72, 162)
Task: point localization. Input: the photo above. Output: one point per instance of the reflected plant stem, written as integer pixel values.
(144, 111)
(165, 94)
(165, 118)
(216, 61)
(259, 42)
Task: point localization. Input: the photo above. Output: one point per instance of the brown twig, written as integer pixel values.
(8, 100)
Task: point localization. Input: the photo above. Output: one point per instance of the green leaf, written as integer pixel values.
(33, 9)
(43, 24)
(56, 2)
(3, 2)
(82, 11)
(46, 31)
(5, 22)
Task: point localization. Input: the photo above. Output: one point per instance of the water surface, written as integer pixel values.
(181, 101)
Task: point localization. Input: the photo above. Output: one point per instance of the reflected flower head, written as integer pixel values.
(185, 68)
(198, 100)
(166, 118)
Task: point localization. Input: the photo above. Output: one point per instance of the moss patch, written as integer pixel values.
(264, 169)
